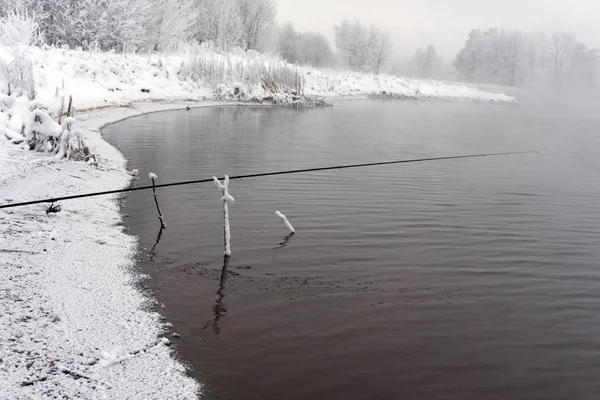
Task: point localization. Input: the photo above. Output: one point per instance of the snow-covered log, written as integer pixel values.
(285, 221)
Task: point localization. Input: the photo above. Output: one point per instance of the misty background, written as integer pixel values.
(528, 43)
(531, 44)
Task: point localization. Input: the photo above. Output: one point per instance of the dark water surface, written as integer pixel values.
(465, 279)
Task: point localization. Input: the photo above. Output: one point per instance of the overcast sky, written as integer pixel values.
(445, 23)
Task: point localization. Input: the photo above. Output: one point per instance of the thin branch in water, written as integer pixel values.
(285, 242)
(219, 309)
(152, 252)
(153, 176)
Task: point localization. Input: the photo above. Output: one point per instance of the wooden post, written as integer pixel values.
(69, 108)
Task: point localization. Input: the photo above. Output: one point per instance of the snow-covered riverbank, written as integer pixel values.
(98, 79)
(76, 324)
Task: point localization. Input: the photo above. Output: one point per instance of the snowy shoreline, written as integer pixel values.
(76, 323)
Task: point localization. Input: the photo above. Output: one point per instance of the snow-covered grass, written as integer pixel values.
(97, 79)
(253, 78)
(75, 324)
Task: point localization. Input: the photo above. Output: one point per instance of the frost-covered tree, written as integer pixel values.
(305, 48)
(123, 24)
(288, 43)
(381, 50)
(171, 22)
(493, 56)
(351, 43)
(526, 59)
(560, 51)
(258, 24)
(31, 7)
(108, 24)
(316, 49)
(249, 24)
(362, 48)
(427, 63)
(20, 28)
(220, 22)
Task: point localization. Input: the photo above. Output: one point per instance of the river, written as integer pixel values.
(461, 279)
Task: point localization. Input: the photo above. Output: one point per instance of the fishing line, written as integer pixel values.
(296, 171)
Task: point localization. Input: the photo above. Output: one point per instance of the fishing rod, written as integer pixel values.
(295, 171)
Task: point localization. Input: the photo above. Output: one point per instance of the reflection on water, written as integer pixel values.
(152, 252)
(463, 279)
(220, 309)
(285, 242)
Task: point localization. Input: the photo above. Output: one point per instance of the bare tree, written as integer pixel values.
(382, 50)
(427, 62)
(362, 48)
(220, 22)
(288, 42)
(560, 51)
(307, 48)
(171, 22)
(258, 23)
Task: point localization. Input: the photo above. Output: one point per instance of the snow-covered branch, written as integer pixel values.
(285, 221)
(227, 199)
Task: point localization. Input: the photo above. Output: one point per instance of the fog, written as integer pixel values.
(446, 23)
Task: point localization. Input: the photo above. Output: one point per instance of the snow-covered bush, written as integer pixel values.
(44, 134)
(18, 113)
(71, 144)
(269, 73)
(41, 131)
(20, 28)
(280, 77)
(17, 76)
(6, 102)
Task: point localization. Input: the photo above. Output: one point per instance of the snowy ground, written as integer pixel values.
(74, 323)
(97, 79)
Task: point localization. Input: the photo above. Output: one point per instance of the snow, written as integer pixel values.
(285, 221)
(18, 113)
(75, 323)
(40, 123)
(96, 79)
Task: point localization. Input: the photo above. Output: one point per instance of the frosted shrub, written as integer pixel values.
(253, 54)
(43, 134)
(272, 75)
(17, 76)
(20, 29)
(70, 144)
(41, 131)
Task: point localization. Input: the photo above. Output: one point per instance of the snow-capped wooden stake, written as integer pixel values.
(152, 177)
(226, 199)
(285, 221)
(69, 107)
